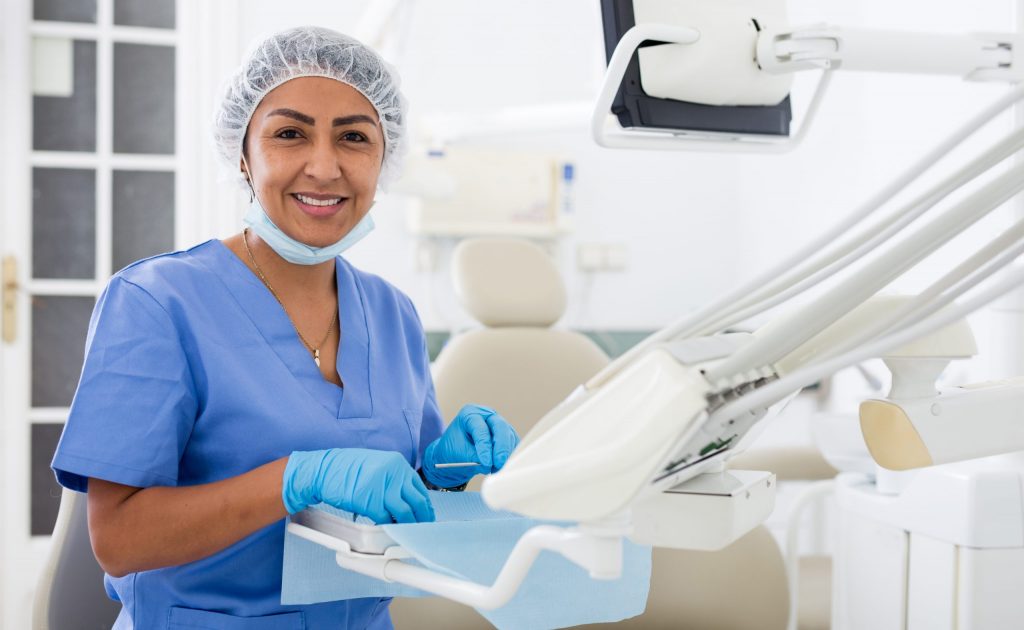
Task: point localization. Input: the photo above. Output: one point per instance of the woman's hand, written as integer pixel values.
(477, 434)
(140, 529)
(378, 484)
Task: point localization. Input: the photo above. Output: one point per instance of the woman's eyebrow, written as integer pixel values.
(354, 118)
(309, 120)
(291, 113)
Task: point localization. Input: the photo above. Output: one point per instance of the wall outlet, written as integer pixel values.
(595, 257)
(616, 257)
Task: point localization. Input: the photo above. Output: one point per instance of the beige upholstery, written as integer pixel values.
(517, 363)
(521, 372)
(507, 282)
(435, 613)
(740, 587)
(789, 463)
(815, 612)
(522, 369)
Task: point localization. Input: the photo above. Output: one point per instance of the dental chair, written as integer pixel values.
(521, 366)
(517, 363)
(70, 593)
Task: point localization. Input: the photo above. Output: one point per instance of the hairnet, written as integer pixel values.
(310, 51)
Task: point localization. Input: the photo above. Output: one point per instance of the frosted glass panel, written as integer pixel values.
(45, 489)
(59, 327)
(143, 215)
(152, 13)
(143, 99)
(68, 123)
(64, 10)
(63, 223)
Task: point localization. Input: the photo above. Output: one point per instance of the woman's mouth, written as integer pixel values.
(319, 206)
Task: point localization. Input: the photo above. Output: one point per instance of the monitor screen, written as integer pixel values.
(636, 109)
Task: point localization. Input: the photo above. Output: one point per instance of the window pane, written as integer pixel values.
(65, 10)
(152, 13)
(143, 215)
(63, 223)
(68, 123)
(59, 327)
(45, 489)
(143, 99)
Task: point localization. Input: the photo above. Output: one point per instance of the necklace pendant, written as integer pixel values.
(316, 357)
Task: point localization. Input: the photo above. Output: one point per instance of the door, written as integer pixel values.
(95, 161)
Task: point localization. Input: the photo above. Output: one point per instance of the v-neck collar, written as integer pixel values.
(270, 320)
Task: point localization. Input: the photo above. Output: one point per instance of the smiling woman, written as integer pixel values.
(231, 384)
(313, 154)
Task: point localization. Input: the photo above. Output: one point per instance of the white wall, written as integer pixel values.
(694, 224)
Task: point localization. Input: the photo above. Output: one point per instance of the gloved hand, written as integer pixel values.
(378, 484)
(477, 434)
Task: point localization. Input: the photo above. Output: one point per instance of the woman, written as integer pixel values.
(231, 384)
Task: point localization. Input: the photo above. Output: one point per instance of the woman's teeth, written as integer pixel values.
(318, 202)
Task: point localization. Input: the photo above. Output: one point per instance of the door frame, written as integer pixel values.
(15, 179)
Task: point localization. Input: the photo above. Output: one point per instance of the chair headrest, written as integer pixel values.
(508, 282)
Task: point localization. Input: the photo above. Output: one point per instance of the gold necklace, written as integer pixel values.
(330, 327)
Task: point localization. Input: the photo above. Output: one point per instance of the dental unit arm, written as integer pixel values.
(682, 411)
(639, 450)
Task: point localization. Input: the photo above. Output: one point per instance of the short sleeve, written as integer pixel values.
(136, 403)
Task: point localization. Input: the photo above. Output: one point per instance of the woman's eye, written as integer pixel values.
(288, 134)
(353, 136)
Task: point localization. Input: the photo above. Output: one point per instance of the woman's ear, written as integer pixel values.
(243, 168)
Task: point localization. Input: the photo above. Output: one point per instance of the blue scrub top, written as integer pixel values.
(193, 373)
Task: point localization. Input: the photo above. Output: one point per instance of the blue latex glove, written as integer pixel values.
(380, 485)
(478, 434)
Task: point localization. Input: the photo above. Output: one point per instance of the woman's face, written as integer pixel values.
(312, 141)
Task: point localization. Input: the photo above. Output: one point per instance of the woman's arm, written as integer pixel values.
(138, 529)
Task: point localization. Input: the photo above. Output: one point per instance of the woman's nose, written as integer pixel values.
(323, 162)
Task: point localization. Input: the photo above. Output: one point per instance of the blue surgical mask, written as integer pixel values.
(292, 250)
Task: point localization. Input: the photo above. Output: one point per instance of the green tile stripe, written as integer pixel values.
(613, 342)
